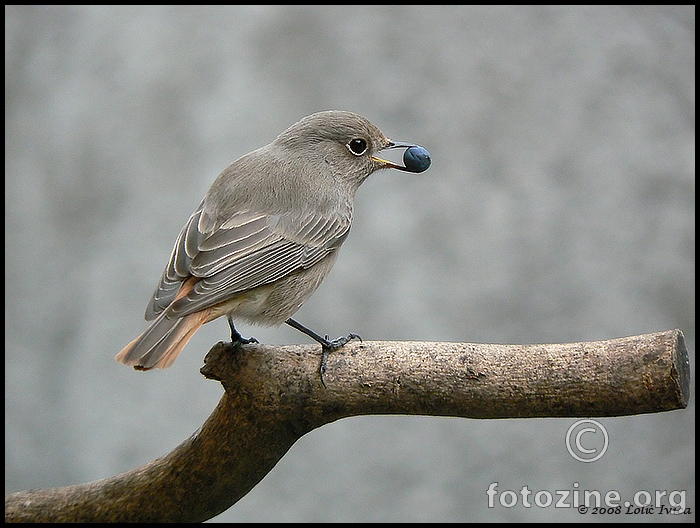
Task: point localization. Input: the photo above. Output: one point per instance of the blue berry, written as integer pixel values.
(416, 159)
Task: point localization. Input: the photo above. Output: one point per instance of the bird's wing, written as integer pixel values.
(246, 251)
(177, 270)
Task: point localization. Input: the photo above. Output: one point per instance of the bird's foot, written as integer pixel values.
(339, 342)
(237, 339)
(328, 346)
(243, 341)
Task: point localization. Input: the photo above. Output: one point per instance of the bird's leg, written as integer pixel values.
(327, 345)
(236, 338)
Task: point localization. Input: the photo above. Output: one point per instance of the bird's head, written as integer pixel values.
(349, 145)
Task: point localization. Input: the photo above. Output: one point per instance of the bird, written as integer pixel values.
(266, 234)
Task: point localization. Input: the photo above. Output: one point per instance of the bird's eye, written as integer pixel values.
(357, 146)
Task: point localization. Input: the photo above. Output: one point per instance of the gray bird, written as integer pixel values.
(266, 234)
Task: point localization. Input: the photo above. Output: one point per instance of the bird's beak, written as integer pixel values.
(415, 158)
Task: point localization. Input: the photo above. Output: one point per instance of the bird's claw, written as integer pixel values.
(245, 341)
(339, 342)
(329, 346)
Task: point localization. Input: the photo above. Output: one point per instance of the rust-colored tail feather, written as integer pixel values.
(160, 344)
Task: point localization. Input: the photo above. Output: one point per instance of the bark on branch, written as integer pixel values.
(274, 395)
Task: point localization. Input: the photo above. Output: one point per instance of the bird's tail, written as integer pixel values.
(161, 343)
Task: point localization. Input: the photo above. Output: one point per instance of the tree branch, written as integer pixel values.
(274, 395)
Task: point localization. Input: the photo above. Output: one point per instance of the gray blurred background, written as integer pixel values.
(560, 207)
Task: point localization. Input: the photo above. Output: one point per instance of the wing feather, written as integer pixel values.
(245, 251)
